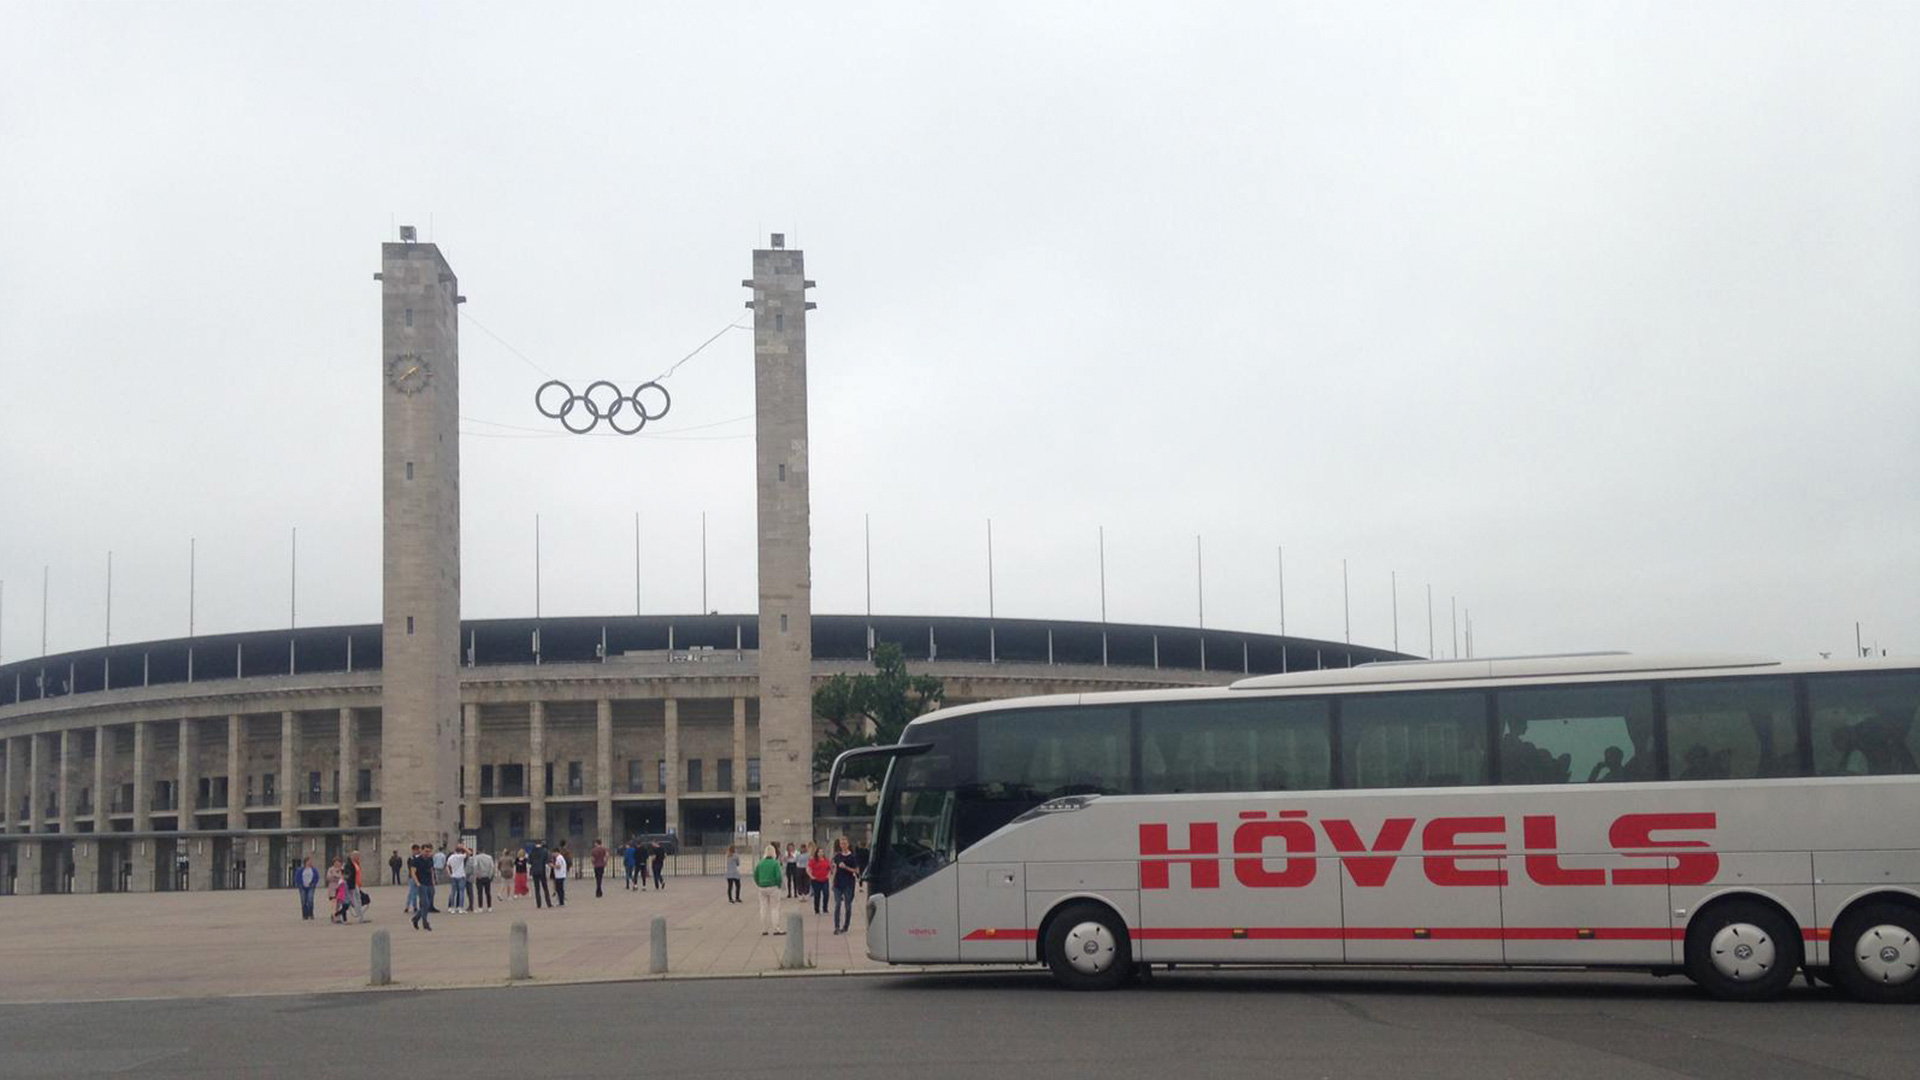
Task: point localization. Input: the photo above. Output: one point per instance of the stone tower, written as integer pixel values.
(420, 559)
(783, 504)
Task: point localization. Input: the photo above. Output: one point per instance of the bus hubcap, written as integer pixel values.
(1888, 955)
(1089, 948)
(1742, 952)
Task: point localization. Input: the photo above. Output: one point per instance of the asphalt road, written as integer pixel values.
(1200, 1024)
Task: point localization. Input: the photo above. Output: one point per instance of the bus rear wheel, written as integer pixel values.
(1087, 948)
(1876, 953)
(1743, 951)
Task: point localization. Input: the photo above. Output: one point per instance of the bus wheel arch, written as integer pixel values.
(1743, 946)
(1085, 942)
(1874, 947)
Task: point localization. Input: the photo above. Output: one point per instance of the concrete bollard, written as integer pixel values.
(518, 964)
(380, 971)
(796, 956)
(657, 936)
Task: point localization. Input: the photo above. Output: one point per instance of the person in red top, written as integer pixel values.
(818, 871)
(599, 857)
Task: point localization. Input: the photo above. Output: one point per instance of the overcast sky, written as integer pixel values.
(1603, 318)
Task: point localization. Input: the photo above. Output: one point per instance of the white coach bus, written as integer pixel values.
(1735, 818)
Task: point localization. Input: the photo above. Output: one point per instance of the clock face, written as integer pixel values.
(408, 373)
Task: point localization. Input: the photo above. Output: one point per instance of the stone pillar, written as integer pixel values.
(142, 809)
(537, 770)
(7, 808)
(26, 879)
(739, 764)
(102, 805)
(350, 771)
(470, 759)
(86, 866)
(200, 868)
(782, 494)
(62, 785)
(673, 766)
(140, 851)
(420, 545)
(183, 797)
(603, 769)
(34, 802)
(236, 783)
(289, 762)
(260, 863)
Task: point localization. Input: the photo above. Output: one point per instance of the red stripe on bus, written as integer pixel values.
(1816, 933)
(1377, 933)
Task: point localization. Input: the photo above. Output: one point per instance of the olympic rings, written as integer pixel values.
(601, 400)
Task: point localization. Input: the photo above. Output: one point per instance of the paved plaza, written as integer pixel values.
(210, 944)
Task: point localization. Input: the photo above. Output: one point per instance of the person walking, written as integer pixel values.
(733, 874)
(630, 855)
(306, 879)
(540, 866)
(560, 865)
(659, 863)
(394, 863)
(421, 869)
(766, 877)
(439, 862)
(356, 899)
(480, 871)
(413, 887)
(846, 874)
(333, 891)
(520, 874)
(457, 875)
(818, 871)
(599, 857)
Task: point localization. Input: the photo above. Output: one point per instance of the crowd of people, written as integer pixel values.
(805, 871)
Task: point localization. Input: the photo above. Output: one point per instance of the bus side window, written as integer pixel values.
(1576, 734)
(1863, 725)
(1418, 739)
(1731, 729)
(1271, 744)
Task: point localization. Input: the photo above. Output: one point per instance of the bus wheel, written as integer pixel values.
(1876, 953)
(1087, 948)
(1743, 951)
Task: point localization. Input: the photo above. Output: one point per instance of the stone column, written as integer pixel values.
(537, 770)
(62, 787)
(139, 851)
(142, 812)
(86, 866)
(200, 868)
(183, 797)
(289, 761)
(739, 764)
(603, 769)
(27, 877)
(6, 786)
(673, 765)
(34, 771)
(349, 769)
(102, 805)
(236, 783)
(470, 758)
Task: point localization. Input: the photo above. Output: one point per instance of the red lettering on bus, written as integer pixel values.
(1636, 831)
(1203, 842)
(1369, 870)
(1443, 834)
(1251, 839)
(1541, 832)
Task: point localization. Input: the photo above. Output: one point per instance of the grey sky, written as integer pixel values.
(1604, 318)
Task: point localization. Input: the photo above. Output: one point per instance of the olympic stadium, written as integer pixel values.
(217, 761)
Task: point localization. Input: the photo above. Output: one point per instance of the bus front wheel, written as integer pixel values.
(1743, 950)
(1088, 949)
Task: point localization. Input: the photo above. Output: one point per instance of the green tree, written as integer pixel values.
(870, 710)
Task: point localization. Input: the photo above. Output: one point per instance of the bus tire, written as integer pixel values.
(1876, 952)
(1088, 949)
(1743, 950)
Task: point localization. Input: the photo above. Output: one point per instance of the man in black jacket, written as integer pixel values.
(541, 872)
